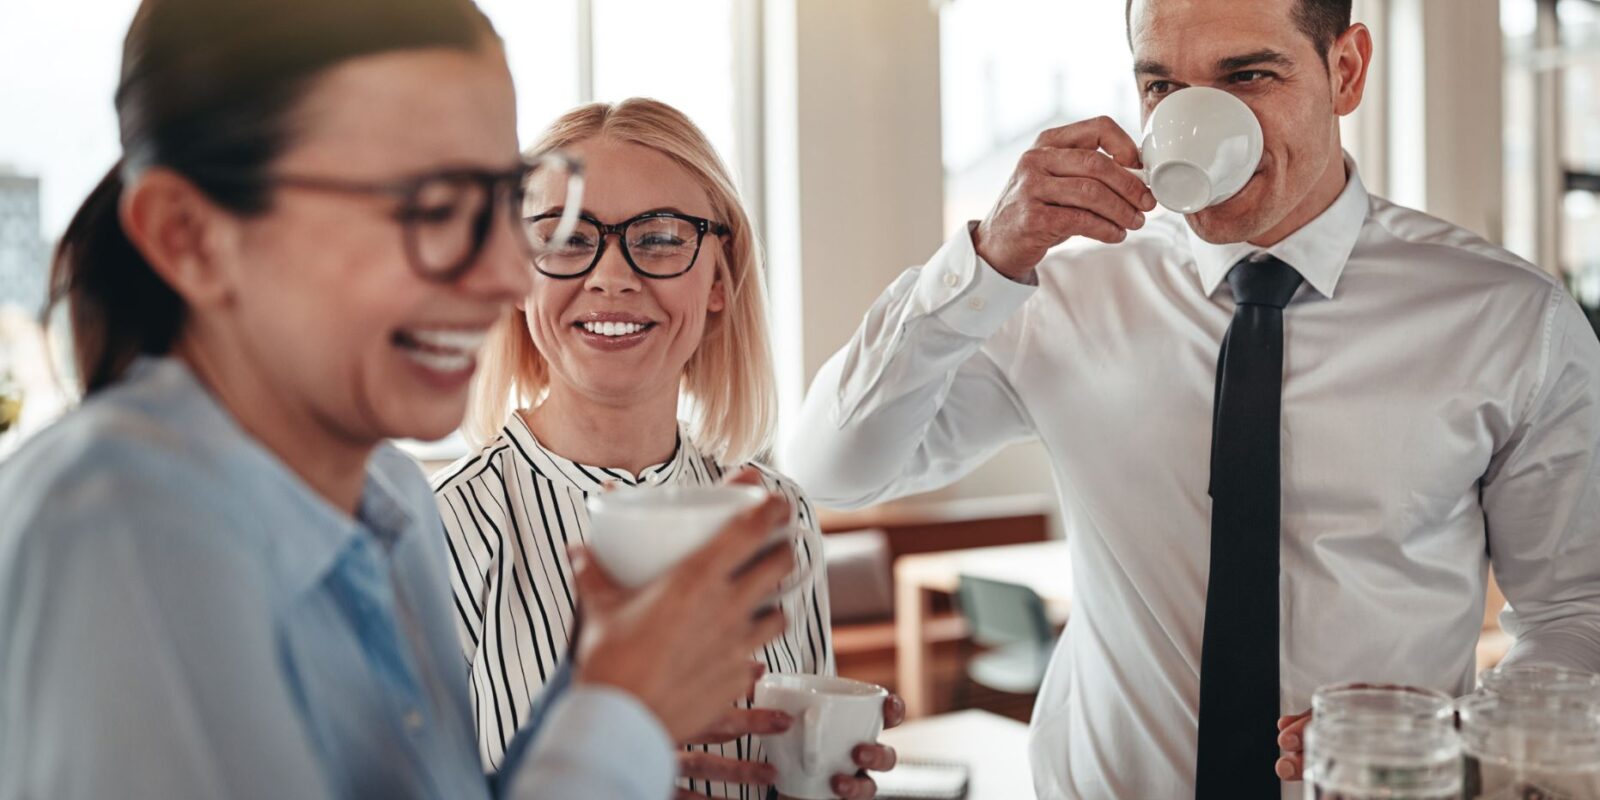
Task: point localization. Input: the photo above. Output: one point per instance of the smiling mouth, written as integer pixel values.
(614, 330)
(444, 350)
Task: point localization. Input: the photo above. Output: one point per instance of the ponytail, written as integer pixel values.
(213, 87)
(119, 308)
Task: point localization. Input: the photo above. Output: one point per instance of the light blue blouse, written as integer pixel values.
(182, 617)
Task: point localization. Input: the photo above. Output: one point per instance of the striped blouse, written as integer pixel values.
(510, 510)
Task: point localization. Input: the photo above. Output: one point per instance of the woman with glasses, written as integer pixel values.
(640, 358)
(216, 580)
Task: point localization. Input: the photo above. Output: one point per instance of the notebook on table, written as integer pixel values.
(923, 779)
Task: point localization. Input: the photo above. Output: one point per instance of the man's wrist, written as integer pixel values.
(1028, 277)
(999, 262)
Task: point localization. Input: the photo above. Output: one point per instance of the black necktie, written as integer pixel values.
(1239, 650)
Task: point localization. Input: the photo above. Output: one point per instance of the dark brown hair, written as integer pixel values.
(1320, 20)
(211, 87)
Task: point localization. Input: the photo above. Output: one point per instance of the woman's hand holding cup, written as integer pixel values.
(681, 644)
(873, 756)
(832, 741)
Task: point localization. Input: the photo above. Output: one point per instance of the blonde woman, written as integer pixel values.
(640, 358)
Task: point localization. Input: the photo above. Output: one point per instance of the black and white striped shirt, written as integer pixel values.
(510, 510)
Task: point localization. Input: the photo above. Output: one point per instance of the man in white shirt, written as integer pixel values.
(1440, 410)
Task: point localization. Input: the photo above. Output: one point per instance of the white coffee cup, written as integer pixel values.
(831, 717)
(1200, 147)
(638, 534)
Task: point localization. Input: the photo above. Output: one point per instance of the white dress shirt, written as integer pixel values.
(510, 511)
(1441, 410)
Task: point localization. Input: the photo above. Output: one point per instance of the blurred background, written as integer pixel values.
(863, 134)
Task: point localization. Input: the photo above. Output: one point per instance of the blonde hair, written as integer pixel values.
(728, 399)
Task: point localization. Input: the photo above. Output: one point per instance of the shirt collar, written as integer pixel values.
(303, 533)
(1318, 251)
(589, 478)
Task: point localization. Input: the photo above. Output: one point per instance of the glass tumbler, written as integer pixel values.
(1381, 758)
(1529, 747)
(1399, 704)
(1539, 681)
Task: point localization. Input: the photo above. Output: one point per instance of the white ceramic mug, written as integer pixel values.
(1200, 147)
(831, 716)
(638, 534)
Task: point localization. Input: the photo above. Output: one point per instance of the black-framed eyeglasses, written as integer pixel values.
(656, 244)
(446, 216)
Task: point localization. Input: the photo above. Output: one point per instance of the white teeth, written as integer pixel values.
(442, 349)
(461, 341)
(440, 362)
(613, 328)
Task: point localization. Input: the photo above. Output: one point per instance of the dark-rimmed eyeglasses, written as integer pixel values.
(656, 244)
(446, 216)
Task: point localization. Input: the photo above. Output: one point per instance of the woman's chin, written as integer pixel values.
(425, 421)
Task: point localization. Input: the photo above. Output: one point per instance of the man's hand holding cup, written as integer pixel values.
(1073, 182)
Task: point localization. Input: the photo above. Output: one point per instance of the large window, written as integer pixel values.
(1552, 136)
(59, 64)
(1009, 69)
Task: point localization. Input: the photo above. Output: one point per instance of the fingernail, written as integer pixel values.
(782, 721)
(1284, 770)
(1291, 741)
(1138, 220)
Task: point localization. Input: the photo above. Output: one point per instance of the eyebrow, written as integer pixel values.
(668, 209)
(587, 213)
(1156, 69)
(1152, 68)
(1235, 63)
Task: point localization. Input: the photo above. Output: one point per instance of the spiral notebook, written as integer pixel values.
(919, 779)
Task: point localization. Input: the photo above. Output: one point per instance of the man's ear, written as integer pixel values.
(1348, 60)
(182, 234)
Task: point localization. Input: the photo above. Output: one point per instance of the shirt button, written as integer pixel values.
(952, 280)
(976, 304)
(413, 720)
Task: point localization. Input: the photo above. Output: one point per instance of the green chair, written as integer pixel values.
(1010, 620)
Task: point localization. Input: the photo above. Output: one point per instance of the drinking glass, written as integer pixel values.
(1541, 681)
(1399, 705)
(1530, 747)
(1381, 757)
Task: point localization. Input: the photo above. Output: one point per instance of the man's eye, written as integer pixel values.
(1250, 76)
(1158, 87)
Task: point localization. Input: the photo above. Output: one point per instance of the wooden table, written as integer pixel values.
(1042, 566)
(994, 747)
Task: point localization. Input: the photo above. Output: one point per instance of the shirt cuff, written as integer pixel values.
(967, 294)
(606, 731)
